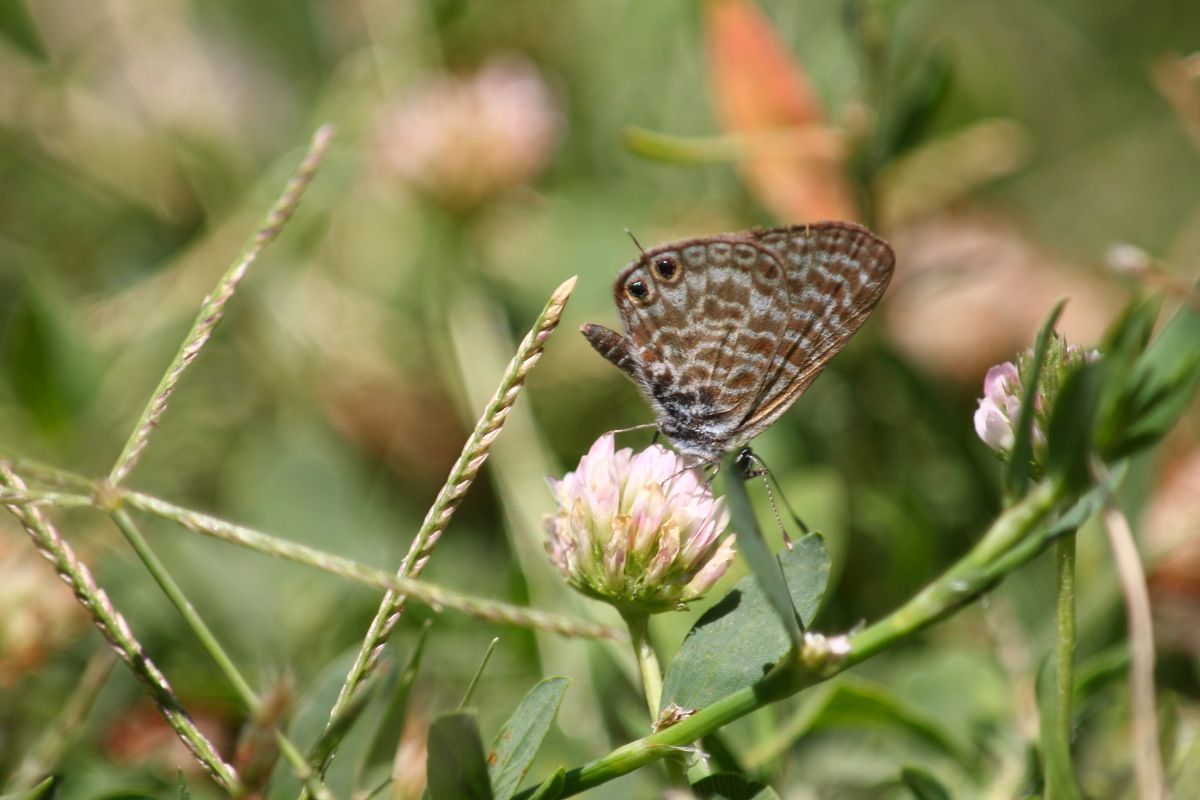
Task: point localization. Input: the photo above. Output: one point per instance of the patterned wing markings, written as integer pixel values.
(682, 328)
(837, 275)
(725, 332)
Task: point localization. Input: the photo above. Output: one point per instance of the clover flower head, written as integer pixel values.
(638, 531)
(463, 139)
(999, 409)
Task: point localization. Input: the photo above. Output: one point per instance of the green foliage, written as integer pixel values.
(1150, 384)
(737, 641)
(767, 570)
(862, 705)
(327, 408)
(1072, 423)
(518, 741)
(46, 365)
(923, 785)
(456, 766)
(731, 786)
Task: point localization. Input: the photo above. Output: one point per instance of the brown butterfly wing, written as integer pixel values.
(726, 332)
(705, 319)
(836, 274)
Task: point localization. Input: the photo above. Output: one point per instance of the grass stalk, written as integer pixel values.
(175, 594)
(213, 307)
(485, 610)
(1147, 754)
(115, 629)
(462, 475)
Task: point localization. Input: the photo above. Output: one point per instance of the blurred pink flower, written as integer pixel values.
(464, 139)
(638, 531)
(37, 614)
(971, 289)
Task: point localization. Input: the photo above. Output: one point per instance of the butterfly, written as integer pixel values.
(723, 333)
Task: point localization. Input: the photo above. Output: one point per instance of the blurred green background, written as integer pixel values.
(480, 161)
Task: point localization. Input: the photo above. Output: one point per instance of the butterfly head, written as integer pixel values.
(641, 281)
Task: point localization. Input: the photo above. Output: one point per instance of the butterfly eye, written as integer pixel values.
(637, 289)
(666, 268)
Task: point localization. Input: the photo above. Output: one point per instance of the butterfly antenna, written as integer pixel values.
(787, 505)
(752, 466)
(635, 241)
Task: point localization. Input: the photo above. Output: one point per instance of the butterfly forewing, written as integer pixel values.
(836, 275)
(725, 332)
(706, 333)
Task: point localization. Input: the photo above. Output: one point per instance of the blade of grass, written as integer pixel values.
(483, 662)
(1147, 755)
(115, 629)
(435, 596)
(462, 475)
(753, 547)
(213, 307)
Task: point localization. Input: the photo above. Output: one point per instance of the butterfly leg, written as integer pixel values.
(751, 466)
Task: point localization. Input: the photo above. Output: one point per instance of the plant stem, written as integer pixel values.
(964, 581)
(430, 594)
(638, 623)
(185, 608)
(987, 563)
(1061, 783)
(1147, 759)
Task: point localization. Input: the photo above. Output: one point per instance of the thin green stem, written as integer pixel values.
(186, 610)
(638, 623)
(430, 594)
(303, 770)
(820, 658)
(213, 307)
(38, 497)
(1061, 783)
(115, 629)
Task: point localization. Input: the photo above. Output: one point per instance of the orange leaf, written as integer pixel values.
(794, 160)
